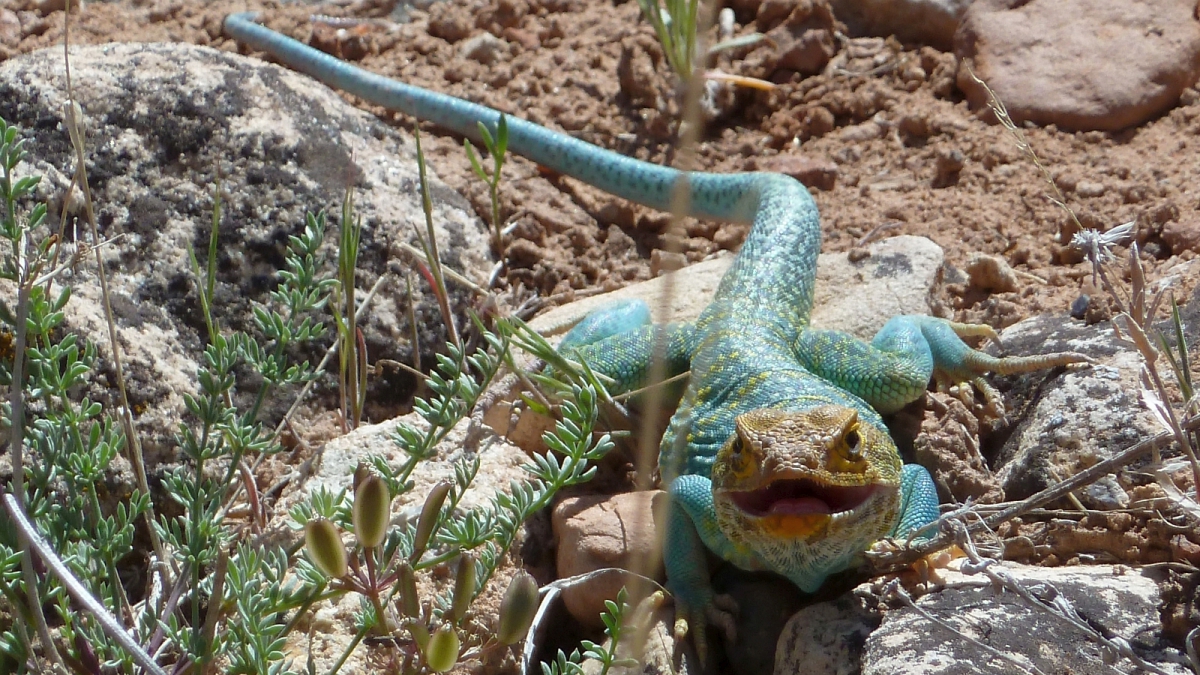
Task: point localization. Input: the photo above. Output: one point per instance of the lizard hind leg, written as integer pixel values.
(958, 365)
(612, 319)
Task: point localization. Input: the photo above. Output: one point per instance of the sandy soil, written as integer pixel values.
(891, 141)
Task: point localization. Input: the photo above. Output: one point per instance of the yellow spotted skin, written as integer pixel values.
(758, 372)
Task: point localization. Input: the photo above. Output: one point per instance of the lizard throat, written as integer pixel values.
(801, 497)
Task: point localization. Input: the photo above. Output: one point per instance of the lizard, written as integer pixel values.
(777, 457)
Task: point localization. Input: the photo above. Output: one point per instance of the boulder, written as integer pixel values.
(1080, 64)
(164, 124)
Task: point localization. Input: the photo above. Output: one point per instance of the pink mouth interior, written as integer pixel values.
(798, 497)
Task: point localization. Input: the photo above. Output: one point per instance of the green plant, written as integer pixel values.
(1179, 358)
(605, 654)
(428, 241)
(475, 540)
(676, 23)
(496, 148)
(352, 356)
(228, 603)
(71, 442)
(224, 434)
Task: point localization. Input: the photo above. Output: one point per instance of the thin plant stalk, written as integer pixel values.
(351, 352)
(134, 447)
(429, 243)
(496, 147)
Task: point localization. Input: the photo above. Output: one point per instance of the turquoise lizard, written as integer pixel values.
(777, 457)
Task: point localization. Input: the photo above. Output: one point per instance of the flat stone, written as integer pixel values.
(857, 296)
(1116, 600)
(1085, 415)
(1080, 64)
(860, 294)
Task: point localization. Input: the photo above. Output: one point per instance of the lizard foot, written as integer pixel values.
(964, 378)
(927, 569)
(721, 612)
(923, 571)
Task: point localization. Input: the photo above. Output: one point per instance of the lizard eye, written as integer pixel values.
(853, 445)
(739, 445)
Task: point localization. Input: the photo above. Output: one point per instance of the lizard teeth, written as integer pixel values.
(801, 497)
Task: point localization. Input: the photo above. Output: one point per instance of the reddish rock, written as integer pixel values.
(1182, 235)
(1080, 64)
(991, 274)
(801, 39)
(930, 22)
(525, 38)
(10, 28)
(597, 532)
(450, 27)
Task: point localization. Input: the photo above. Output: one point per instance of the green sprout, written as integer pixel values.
(496, 147)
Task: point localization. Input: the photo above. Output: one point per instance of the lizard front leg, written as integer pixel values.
(918, 501)
(691, 524)
(619, 342)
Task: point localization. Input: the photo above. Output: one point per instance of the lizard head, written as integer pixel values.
(808, 482)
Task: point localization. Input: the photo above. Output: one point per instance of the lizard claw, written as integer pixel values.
(965, 390)
(974, 330)
(720, 611)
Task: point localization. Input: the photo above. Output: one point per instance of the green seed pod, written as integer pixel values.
(442, 652)
(464, 587)
(372, 510)
(517, 608)
(429, 517)
(407, 582)
(419, 633)
(325, 547)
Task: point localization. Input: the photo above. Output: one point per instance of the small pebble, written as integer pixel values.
(1079, 307)
(991, 273)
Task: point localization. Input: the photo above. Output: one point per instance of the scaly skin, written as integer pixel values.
(777, 457)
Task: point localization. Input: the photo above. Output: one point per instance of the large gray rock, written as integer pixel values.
(163, 122)
(1080, 64)
(1083, 416)
(1116, 601)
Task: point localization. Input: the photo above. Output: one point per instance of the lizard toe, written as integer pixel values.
(723, 618)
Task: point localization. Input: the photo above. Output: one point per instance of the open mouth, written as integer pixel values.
(801, 497)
